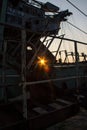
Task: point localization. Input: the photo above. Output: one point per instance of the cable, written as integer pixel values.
(77, 8)
(77, 27)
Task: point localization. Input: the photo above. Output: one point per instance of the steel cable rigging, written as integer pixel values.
(76, 27)
(80, 12)
(77, 8)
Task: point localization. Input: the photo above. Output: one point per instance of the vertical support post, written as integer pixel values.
(4, 71)
(76, 61)
(23, 72)
(59, 46)
(2, 19)
(76, 52)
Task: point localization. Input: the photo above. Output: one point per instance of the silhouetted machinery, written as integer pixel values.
(28, 22)
(25, 60)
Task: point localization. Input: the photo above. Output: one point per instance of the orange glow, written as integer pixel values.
(47, 68)
(43, 62)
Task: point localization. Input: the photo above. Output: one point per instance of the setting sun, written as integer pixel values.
(42, 61)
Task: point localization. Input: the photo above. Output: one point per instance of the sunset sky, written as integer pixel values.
(78, 19)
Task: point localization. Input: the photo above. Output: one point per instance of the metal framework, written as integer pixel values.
(23, 71)
(24, 66)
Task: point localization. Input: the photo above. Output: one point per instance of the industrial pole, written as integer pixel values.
(76, 61)
(23, 70)
(4, 72)
(3, 8)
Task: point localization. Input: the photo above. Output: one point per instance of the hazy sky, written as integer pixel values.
(77, 19)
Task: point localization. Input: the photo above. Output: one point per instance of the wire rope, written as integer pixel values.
(77, 8)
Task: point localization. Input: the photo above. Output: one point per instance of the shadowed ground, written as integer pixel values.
(78, 122)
